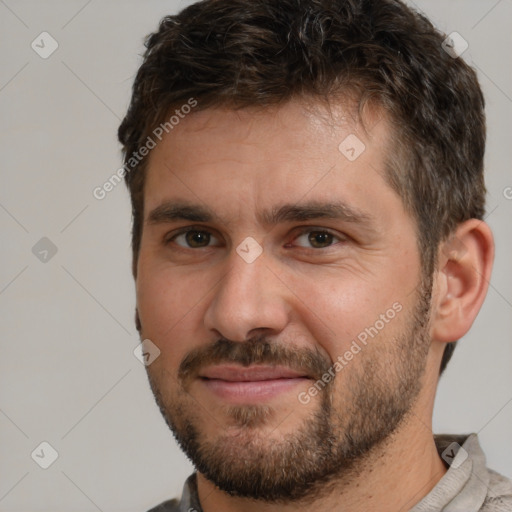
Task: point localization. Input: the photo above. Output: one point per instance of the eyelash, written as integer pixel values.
(337, 238)
(306, 229)
(184, 231)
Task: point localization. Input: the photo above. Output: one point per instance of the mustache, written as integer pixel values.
(257, 350)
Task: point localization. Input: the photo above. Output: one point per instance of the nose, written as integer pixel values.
(250, 299)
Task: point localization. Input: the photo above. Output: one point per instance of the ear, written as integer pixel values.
(461, 279)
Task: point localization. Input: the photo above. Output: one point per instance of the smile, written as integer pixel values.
(255, 384)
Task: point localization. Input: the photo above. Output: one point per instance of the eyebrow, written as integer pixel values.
(172, 211)
(311, 210)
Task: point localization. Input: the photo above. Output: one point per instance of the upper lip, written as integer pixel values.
(235, 373)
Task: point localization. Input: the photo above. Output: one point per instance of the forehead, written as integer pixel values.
(296, 123)
(239, 159)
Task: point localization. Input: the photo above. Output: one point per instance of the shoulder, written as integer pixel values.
(499, 495)
(167, 506)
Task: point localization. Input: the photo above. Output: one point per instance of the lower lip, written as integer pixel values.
(253, 391)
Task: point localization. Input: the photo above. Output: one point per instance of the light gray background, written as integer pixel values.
(68, 374)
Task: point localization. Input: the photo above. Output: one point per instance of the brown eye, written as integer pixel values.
(194, 239)
(320, 239)
(197, 238)
(317, 239)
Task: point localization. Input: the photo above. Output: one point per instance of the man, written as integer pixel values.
(308, 246)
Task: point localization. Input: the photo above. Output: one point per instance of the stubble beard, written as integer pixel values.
(330, 446)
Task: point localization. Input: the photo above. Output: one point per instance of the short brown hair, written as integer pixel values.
(246, 53)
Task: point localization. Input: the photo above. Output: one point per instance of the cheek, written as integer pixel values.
(169, 309)
(337, 312)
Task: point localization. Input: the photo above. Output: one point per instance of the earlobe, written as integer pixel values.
(462, 279)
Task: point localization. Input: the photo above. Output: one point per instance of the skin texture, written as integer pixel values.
(205, 304)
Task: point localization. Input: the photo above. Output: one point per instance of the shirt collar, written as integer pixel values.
(464, 486)
(190, 497)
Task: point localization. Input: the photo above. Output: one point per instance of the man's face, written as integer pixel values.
(287, 356)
